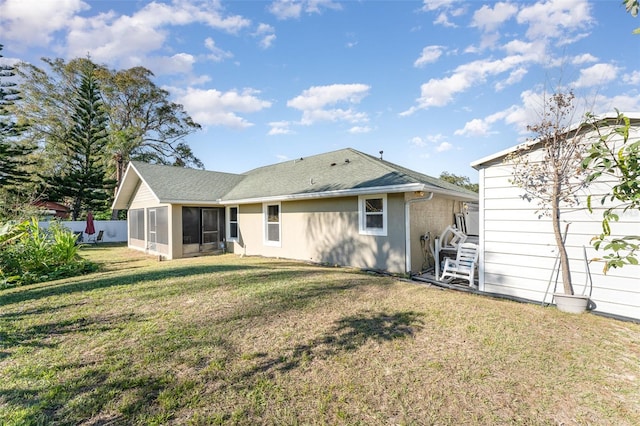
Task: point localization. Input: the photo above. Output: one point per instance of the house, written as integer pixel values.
(51, 209)
(342, 207)
(517, 247)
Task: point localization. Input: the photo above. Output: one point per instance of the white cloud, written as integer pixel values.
(280, 128)
(596, 75)
(555, 18)
(360, 129)
(583, 59)
(266, 34)
(217, 54)
(624, 103)
(514, 77)
(475, 127)
(180, 63)
(292, 9)
(429, 5)
(444, 146)
(446, 9)
(314, 101)
(443, 19)
(440, 92)
(214, 108)
(33, 22)
(128, 39)
(488, 19)
(429, 54)
(418, 141)
(632, 79)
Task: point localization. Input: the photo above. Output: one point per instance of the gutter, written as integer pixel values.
(413, 187)
(407, 227)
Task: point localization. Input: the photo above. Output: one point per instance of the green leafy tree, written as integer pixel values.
(83, 180)
(548, 168)
(632, 6)
(143, 124)
(614, 156)
(462, 181)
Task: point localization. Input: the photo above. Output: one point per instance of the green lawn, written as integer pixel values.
(230, 340)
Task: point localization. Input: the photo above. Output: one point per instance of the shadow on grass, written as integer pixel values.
(347, 335)
(41, 334)
(96, 281)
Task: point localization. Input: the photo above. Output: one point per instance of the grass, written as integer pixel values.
(246, 341)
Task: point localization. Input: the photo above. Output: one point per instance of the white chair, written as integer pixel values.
(463, 266)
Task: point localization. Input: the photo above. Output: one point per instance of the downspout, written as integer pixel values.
(407, 227)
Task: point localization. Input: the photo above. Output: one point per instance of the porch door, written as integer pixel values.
(210, 229)
(152, 225)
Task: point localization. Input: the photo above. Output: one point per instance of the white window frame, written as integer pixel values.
(265, 222)
(237, 222)
(362, 215)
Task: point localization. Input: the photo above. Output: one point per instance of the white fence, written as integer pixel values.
(115, 231)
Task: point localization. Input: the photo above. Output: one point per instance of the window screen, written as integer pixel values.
(136, 224)
(190, 225)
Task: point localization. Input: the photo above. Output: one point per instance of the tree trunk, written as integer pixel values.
(560, 242)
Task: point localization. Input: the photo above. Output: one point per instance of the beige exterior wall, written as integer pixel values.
(326, 231)
(175, 233)
(431, 216)
(143, 197)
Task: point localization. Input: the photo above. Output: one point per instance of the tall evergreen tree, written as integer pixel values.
(13, 154)
(83, 181)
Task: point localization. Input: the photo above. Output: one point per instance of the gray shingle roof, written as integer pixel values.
(342, 170)
(177, 184)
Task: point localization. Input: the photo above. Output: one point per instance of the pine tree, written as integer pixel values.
(83, 181)
(13, 153)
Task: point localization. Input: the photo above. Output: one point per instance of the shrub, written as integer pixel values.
(30, 254)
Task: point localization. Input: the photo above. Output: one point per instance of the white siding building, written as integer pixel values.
(518, 251)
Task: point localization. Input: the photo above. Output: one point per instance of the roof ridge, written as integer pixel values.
(388, 165)
(145, 164)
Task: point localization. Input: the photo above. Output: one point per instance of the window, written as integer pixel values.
(272, 224)
(233, 223)
(136, 224)
(372, 214)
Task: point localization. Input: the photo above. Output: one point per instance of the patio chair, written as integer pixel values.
(463, 266)
(97, 239)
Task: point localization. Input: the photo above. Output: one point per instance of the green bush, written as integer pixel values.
(30, 254)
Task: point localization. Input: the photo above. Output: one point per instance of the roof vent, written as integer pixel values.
(347, 161)
(333, 164)
(381, 154)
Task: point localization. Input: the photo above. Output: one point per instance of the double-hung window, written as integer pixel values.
(372, 214)
(272, 224)
(232, 232)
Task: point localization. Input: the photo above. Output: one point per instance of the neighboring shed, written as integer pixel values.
(517, 248)
(343, 207)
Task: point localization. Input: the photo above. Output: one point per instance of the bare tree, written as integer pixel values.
(548, 167)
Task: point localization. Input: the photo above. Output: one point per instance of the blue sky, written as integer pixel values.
(435, 84)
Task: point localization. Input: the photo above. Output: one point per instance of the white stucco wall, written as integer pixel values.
(115, 231)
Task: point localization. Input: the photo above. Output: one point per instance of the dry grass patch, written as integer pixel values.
(229, 340)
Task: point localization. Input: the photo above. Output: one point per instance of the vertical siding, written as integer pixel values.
(518, 249)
